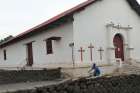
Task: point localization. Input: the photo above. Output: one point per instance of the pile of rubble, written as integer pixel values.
(116, 84)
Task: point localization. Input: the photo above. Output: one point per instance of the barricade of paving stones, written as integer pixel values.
(118, 84)
(16, 76)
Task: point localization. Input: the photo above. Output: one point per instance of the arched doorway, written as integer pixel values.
(119, 48)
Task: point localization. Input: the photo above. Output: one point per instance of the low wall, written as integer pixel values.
(118, 84)
(78, 72)
(16, 76)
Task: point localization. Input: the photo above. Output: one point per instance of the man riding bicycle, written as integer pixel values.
(95, 70)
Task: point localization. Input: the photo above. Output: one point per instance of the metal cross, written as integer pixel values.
(81, 52)
(91, 47)
(101, 52)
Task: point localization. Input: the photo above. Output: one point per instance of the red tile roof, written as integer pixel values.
(48, 22)
(134, 5)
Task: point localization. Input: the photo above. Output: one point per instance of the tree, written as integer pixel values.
(6, 39)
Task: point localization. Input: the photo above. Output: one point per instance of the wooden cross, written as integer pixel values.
(81, 51)
(91, 47)
(101, 52)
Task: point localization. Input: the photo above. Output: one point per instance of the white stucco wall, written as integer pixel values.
(90, 27)
(16, 53)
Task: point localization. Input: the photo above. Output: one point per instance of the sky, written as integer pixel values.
(17, 16)
(138, 1)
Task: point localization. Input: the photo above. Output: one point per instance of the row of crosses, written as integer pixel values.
(81, 50)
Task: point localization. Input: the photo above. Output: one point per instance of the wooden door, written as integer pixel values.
(119, 48)
(29, 54)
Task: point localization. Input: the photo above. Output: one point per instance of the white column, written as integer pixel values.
(110, 47)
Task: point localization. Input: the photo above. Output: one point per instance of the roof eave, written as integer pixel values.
(47, 23)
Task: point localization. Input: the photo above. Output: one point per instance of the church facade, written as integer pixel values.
(95, 31)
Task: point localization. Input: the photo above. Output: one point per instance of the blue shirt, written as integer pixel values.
(96, 70)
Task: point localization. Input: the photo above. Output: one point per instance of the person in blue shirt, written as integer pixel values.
(96, 70)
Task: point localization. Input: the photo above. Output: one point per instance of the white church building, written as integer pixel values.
(95, 31)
